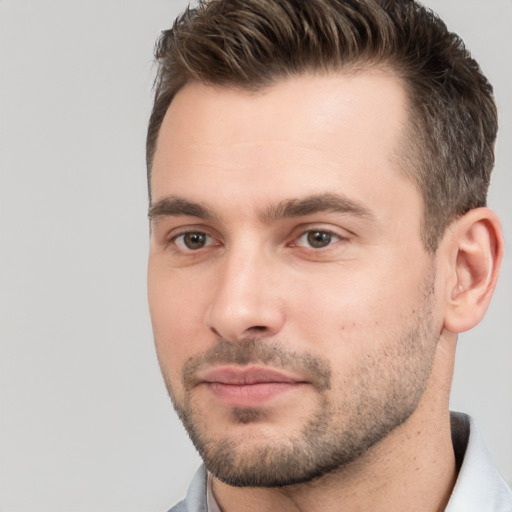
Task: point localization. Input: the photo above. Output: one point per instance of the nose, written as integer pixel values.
(246, 300)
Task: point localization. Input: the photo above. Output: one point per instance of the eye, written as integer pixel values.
(317, 239)
(193, 240)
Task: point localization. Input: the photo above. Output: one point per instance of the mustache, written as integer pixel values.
(313, 368)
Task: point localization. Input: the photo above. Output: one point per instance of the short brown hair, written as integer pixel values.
(251, 44)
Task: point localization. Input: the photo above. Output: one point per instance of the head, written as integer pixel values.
(316, 171)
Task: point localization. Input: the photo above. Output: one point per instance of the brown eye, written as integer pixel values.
(317, 239)
(193, 240)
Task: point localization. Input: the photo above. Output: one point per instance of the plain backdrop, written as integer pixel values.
(85, 422)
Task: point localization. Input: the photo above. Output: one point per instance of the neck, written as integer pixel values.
(413, 468)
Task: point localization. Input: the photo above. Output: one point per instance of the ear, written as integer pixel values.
(475, 259)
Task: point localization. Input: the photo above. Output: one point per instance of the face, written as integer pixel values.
(291, 298)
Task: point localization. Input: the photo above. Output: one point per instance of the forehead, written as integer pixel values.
(315, 131)
(312, 99)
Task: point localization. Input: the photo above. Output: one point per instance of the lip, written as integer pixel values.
(247, 375)
(248, 386)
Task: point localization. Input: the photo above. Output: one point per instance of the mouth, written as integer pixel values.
(238, 386)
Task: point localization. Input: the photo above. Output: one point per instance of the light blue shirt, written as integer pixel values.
(479, 486)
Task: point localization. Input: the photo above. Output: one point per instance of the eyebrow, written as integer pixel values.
(329, 203)
(176, 206)
(173, 206)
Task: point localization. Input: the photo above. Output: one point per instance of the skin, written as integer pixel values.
(372, 308)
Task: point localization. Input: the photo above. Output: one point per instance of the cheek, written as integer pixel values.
(176, 317)
(349, 312)
(342, 299)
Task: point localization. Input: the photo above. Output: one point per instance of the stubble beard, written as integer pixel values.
(367, 403)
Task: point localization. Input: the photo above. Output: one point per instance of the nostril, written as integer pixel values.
(257, 331)
(254, 331)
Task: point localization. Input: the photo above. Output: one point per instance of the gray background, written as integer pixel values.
(85, 422)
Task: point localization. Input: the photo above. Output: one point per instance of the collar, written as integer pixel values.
(479, 486)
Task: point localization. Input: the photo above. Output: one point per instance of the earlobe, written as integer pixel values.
(477, 241)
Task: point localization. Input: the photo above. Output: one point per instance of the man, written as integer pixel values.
(318, 174)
